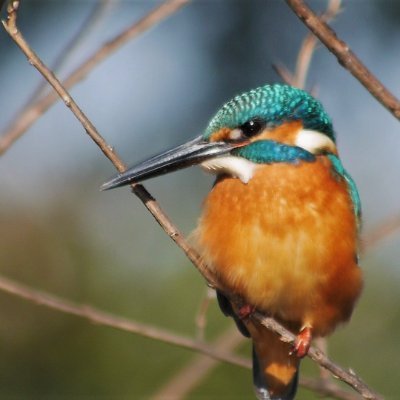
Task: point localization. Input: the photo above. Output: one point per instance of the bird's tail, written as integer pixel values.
(275, 370)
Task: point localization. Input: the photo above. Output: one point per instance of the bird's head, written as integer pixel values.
(273, 123)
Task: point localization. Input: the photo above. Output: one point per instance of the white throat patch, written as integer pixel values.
(315, 142)
(235, 166)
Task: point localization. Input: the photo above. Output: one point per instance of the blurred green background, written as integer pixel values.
(60, 234)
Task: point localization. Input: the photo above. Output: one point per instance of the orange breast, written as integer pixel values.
(286, 242)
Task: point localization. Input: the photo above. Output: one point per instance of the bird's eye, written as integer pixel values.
(252, 127)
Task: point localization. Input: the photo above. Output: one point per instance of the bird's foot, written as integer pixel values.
(245, 311)
(303, 342)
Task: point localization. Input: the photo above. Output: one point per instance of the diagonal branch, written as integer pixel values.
(96, 14)
(30, 114)
(345, 56)
(11, 27)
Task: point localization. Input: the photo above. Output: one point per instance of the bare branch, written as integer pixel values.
(192, 374)
(306, 52)
(309, 44)
(11, 27)
(284, 73)
(345, 56)
(322, 344)
(201, 315)
(324, 388)
(103, 318)
(96, 14)
(29, 116)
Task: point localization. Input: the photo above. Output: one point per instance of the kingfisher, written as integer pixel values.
(280, 226)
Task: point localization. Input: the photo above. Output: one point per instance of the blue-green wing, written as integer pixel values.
(351, 185)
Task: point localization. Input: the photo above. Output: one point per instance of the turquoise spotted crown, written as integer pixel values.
(275, 104)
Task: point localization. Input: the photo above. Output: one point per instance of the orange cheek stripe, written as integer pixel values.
(285, 133)
(220, 135)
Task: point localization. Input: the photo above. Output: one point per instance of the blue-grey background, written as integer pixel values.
(59, 233)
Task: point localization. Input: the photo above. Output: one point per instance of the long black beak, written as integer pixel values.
(190, 153)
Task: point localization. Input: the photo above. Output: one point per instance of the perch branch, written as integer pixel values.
(347, 376)
(11, 27)
(345, 56)
(30, 114)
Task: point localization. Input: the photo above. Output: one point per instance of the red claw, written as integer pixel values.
(245, 311)
(303, 342)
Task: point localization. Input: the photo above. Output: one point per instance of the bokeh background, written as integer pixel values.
(59, 233)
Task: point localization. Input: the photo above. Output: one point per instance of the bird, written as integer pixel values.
(280, 227)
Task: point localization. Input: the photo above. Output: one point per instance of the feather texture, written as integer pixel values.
(285, 241)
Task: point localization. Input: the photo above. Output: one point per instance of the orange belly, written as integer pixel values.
(286, 242)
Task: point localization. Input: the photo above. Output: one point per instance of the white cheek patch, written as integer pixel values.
(234, 166)
(235, 134)
(315, 142)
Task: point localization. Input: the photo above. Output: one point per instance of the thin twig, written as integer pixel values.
(100, 317)
(11, 27)
(192, 374)
(328, 389)
(345, 56)
(284, 73)
(95, 15)
(380, 232)
(33, 112)
(306, 52)
(201, 315)
(309, 44)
